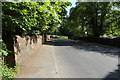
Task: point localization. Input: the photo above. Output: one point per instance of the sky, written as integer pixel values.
(73, 5)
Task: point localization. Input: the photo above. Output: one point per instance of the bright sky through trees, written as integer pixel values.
(73, 5)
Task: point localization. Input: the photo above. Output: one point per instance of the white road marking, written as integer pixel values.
(56, 67)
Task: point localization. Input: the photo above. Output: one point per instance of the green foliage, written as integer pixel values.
(60, 37)
(30, 18)
(4, 51)
(5, 72)
(8, 73)
(92, 19)
(112, 21)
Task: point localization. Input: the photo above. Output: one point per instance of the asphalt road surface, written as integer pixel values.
(64, 58)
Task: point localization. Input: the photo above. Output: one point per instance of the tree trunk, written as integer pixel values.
(10, 58)
(44, 36)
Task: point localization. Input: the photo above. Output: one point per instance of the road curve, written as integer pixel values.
(64, 58)
(85, 60)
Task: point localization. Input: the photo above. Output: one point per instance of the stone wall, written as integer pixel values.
(25, 46)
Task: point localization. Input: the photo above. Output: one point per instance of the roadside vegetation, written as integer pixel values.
(60, 37)
(27, 19)
(94, 21)
(90, 21)
(5, 71)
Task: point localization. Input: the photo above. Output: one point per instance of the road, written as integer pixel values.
(64, 58)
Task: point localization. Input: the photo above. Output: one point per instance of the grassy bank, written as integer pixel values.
(60, 37)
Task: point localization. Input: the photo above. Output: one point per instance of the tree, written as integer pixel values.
(29, 18)
(92, 19)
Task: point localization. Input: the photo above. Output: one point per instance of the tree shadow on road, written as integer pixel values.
(48, 42)
(86, 46)
(60, 42)
(103, 49)
(115, 75)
